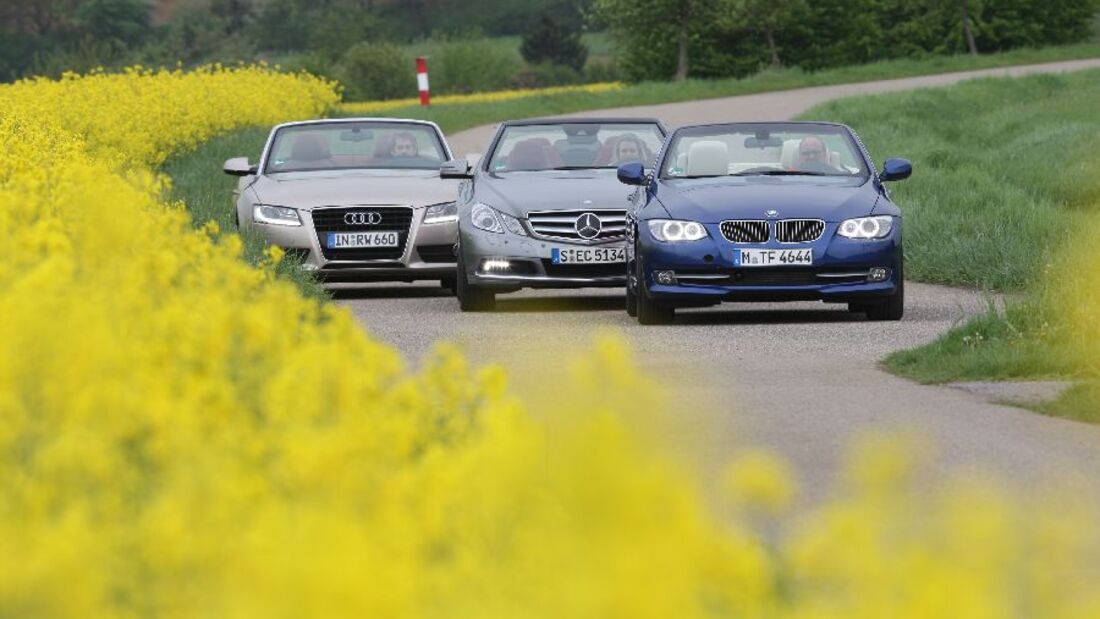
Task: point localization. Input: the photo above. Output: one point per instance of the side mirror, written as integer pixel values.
(896, 170)
(238, 166)
(632, 174)
(455, 168)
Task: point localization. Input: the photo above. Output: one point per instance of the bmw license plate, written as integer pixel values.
(588, 255)
(349, 240)
(772, 257)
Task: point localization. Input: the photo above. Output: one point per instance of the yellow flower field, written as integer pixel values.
(183, 435)
(374, 107)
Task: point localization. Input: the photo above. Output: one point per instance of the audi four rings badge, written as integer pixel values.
(363, 218)
(588, 226)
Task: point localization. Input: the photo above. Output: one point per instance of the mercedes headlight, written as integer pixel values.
(441, 213)
(675, 230)
(275, 215)
(487, 218)
(866, 227)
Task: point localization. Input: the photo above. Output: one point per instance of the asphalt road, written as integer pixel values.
(801, 378)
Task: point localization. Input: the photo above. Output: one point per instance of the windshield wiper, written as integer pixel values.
(781, 173)
(575, 167)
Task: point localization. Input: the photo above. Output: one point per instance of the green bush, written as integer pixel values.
(473, 65)
(374, 71)
(546, 74)
(551, 41)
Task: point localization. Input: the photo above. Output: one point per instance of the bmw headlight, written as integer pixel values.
(275, 215)
(866, 227)
(487, 218)
(441, 213)
(675, 230)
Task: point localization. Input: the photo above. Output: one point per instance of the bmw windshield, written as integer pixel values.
(791, 151)
(569, 146)
(355, 145)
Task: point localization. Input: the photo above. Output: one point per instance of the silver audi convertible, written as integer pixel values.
(356, 199)
(543, 208)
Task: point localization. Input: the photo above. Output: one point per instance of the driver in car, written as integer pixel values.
(404, 145)
(813, 157)
(629, 149)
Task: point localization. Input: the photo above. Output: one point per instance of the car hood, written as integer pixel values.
(518, 193)
(307, 190)
(711, 201)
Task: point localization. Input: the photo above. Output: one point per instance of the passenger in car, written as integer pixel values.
(813, 156)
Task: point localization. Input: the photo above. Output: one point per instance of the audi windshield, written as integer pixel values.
(566, 146)
(793, 152)
(355, 145)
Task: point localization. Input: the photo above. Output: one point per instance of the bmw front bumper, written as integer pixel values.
(704, 273)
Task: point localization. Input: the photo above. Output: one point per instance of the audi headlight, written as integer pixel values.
(441, 213)
(675, 230)
(866, 227)
(275, 215)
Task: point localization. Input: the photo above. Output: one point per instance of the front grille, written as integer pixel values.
(799, 230)
(444, 254)
(393, 218)
(583, 270)
(745, 230)
(563, 225)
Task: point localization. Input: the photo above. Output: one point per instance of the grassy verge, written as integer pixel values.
(458, 117)
(198, 181)
(1005, 196)
(1003, 171)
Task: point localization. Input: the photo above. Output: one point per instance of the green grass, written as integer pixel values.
(1005, 195)
(197, 179)
(1004, 170)
(458, 117)
(599, 46)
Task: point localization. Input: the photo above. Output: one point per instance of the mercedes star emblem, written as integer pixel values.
(588, 226)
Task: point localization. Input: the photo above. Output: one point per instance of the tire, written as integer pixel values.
(649, 313)
(631, 299)
(893, 307)
(472, 298)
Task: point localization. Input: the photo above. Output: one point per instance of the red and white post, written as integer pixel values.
(422, 81)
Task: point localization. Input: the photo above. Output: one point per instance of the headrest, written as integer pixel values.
(309, 147)
(708, 158)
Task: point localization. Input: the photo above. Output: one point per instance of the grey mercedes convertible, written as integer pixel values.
(544, 209)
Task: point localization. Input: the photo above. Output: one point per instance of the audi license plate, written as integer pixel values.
(349, 240)
(772, 257)
(588, 255)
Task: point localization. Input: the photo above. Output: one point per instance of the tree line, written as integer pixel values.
(356, 40)
(662, 39)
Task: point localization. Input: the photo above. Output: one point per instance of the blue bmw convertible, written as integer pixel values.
(784, 211)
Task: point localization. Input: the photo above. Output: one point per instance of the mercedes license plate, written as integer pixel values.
(358, 240)
(588, 255)
(772, 257)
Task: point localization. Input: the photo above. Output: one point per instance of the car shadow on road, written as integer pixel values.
(602, 303)
(393, 291)
(767, 317)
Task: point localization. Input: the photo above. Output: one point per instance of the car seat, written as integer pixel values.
(708, 158)
(529, 155)
(309, 147)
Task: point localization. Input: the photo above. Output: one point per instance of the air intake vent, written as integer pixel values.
(745, 230)
(799, 230)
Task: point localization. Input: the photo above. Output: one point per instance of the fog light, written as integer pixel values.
(878, 274)
(495, 264)
(665, 278)
(309, 266)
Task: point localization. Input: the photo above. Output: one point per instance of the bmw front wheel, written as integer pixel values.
(648, 311)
